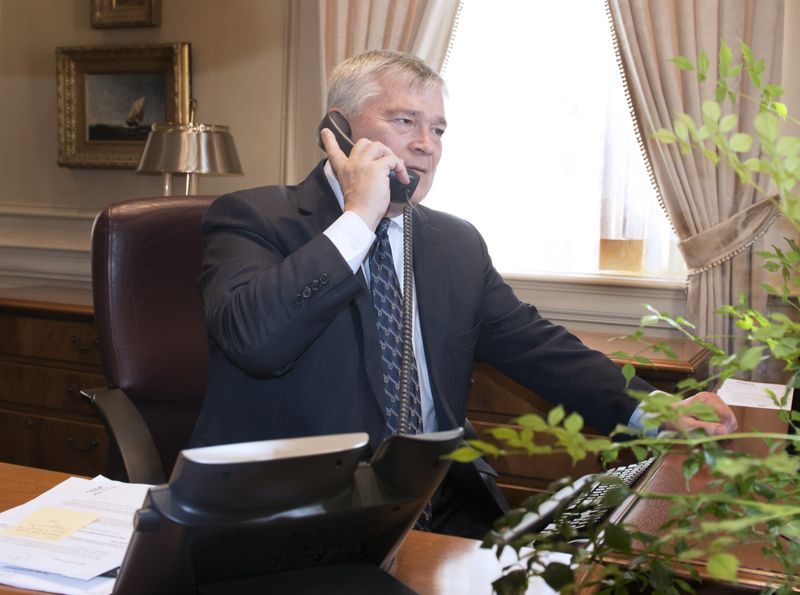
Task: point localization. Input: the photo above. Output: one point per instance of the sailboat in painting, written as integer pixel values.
(136, 113)
(124, 119)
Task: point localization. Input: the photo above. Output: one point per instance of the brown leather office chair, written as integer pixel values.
(150, 324)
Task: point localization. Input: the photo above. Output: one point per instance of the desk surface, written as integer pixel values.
(666, 476)
(428, 563)
(755, 571)
(434, 564)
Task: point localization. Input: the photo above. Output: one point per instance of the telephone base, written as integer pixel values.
(350, 579)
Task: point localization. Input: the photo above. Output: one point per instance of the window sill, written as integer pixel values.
(601, 302)
(602, 278)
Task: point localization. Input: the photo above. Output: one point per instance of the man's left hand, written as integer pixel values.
(727, 423)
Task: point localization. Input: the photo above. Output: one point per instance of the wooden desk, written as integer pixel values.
(666, 476)
(430, 564)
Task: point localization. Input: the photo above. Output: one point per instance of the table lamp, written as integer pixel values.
(191, 149)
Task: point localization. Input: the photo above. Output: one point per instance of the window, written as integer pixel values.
(540, 152)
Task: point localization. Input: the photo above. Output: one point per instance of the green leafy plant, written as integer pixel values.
(750, 499)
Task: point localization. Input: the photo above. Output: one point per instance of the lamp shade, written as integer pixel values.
(190, 149)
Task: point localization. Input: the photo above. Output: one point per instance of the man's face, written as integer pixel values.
(408, 120)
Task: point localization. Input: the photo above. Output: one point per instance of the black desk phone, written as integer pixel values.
(338, 124)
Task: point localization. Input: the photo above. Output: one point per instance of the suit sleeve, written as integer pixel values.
(270, 283)
(546, 358)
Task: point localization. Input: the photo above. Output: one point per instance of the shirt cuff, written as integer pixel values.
(637, 421)
(352, 238)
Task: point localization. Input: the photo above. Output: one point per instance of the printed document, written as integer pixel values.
(54, 583)
(746, 393)
(78, 529)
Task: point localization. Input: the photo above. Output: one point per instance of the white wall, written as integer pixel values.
(239, 67)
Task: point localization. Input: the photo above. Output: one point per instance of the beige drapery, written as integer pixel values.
(716, 218)
(349, 27)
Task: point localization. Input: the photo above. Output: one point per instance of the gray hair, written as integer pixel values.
(356, 80)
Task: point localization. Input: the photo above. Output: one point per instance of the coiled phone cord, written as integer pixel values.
(407, 353)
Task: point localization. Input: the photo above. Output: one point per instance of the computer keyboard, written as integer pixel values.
(586, 507)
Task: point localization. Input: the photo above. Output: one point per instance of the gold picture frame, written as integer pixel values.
(125, 13)
(108, 96)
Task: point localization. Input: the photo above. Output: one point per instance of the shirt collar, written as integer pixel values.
(333, 183)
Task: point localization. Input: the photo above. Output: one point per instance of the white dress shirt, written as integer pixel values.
(353, 239)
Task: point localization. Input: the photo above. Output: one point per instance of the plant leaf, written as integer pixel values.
(767, 126)
(513, 583)
(464, 454)
(741, 142)
(787, 145)
(558, 575)
(683, 63)
(728, 122)
(723, 566)
(574, 423)
(628, 372)
(711, 110)
(780, 109)
(663, 135)
(617, 537)
(555, 415)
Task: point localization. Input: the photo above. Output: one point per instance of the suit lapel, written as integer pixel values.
(318, 204)
(430, 272)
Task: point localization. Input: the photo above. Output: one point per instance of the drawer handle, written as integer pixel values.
(73, 444)
(76, 343)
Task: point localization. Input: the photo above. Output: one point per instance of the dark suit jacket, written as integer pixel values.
(292, 332)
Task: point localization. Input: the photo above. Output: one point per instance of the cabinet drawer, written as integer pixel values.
(49, 443)
(71, 341)
(44, 386)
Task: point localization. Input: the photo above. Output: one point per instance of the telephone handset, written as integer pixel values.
(338, 124)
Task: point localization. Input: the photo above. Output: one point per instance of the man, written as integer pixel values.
(294, 341)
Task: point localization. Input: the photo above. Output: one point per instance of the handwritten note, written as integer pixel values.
(51, 523)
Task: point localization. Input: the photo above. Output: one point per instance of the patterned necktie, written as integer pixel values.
(388, 303)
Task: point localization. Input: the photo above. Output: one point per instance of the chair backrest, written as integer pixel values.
(149, 313)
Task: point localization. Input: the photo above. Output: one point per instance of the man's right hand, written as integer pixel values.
(364, 176)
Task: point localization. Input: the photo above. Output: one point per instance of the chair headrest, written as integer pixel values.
(146, 256)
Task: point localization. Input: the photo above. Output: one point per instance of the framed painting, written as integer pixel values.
(125, 13)
(109, 96)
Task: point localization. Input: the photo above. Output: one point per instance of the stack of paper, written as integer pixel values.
(72, 538)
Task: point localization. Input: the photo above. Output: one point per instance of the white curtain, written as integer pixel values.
(349, 27)
(716, 218)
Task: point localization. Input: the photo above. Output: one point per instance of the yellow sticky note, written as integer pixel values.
(51, 524)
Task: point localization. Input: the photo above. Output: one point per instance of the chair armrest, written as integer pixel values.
(130, 433)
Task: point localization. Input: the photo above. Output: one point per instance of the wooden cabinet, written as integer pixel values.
(48, 352)
(495, 400)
